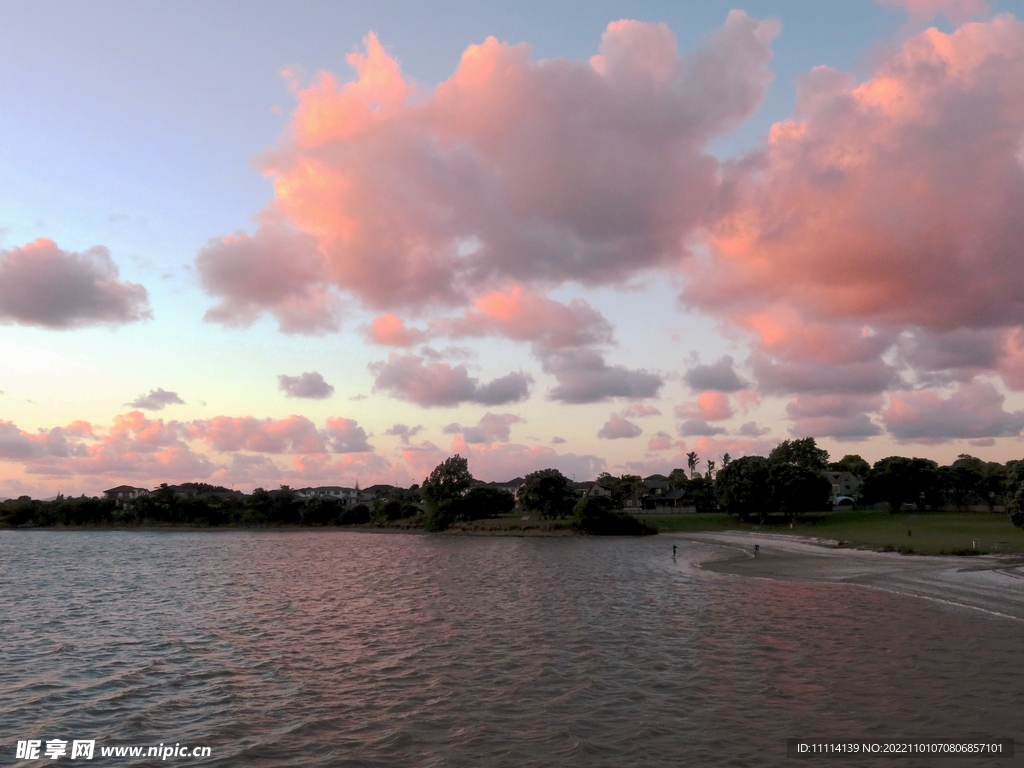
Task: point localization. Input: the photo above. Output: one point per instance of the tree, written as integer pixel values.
(678, 477)
(700, 492)
(546, 492)
(897, 480)
(803, 453)
(692, 459)
(757, 487)
(993, 483)
(1015, 491)
(851, 463)
(711, 470)
(794, 490)
(741, 487)
(449, 480)
(597, 515)
(483, 502)
(726, 458)
(962, 481)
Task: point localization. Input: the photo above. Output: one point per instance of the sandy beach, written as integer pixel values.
(991, 583)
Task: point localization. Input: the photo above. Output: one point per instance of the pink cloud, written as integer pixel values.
(278, 270)
(974, 411)
(409, 198)
(16, 445)
(390, 330)
(720, 376)
(504, 461)
(147, 451)
(42, 285)
(954, 10)
(404, 432)
(441, 384)
(617, 428)
(697, 426)
(521, 315)
(492, 428)
(639, 410)
(661, 441)
(884, 214)
(843, 418)
(309, 385)
(710, 406)
(347, 436)
(294, 434)
(156, 400)
(583, 376)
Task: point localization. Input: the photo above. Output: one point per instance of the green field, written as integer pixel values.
(931, 533)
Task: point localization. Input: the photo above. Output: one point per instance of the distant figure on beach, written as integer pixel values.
(757, 550)
(673, 550)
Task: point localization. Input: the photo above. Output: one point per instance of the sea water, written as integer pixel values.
(337, 648)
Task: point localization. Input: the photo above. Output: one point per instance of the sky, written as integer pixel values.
(262, 243)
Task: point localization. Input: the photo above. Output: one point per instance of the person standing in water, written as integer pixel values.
(757, 550)
(673, 550)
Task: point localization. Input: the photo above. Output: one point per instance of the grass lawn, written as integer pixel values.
(931, 533)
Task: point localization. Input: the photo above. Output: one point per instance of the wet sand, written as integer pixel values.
(991, 583)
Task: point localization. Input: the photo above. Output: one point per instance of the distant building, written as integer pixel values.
(347, 496)
(672, 499)
(510, 486)
(124, 494)
(592, 489)
(634, 502)
(658, 485)
(843, 484)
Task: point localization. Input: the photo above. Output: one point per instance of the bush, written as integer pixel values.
(597, 516)
(357, 515)
(481, 503)
(395, 509)
(439, 516)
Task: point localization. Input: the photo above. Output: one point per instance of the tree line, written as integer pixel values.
(547, 493)
(789, 482)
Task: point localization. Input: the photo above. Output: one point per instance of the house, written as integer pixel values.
(510, 486)
(340, 493)
(634, 502)
(843, 484)
(124, 494)
(584, 490)
(673, 499)
(657, 484)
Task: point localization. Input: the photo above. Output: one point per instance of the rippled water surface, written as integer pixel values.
(353, 649)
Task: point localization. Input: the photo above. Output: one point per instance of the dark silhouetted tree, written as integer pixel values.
(546, 492)
(897, 480)
(803, 453)
(851, 463)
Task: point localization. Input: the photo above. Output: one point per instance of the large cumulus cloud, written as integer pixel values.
(42, 285)
(409, 198)
(876, 242)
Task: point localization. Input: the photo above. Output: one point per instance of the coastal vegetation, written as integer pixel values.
(793, 489)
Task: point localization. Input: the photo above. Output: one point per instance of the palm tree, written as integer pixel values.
(711, 469)
(692, 459)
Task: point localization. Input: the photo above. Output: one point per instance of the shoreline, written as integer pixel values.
(990, 583)
(531, 531)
